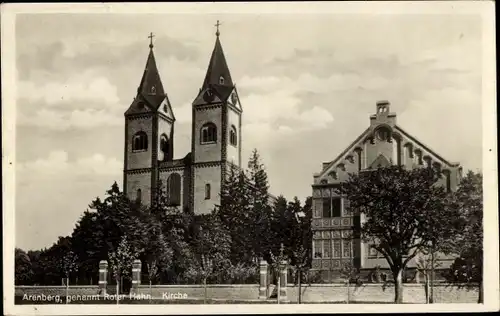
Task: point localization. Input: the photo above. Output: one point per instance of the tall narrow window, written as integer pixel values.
(208, 133)
(221, 80)
(327, 208)
(233, 140)
(138, 198)
(336, 248)
(327, 248)
(336, 207)
(359, 159)
(174, 190)
(318, 251)
(346, 248)
(207, 191)
(140, 141)
(164, 146)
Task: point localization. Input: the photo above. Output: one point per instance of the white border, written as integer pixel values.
(491, 260)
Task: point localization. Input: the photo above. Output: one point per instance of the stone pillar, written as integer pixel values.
(263, 279)
(417, 276)
(136, 276)
(283, 281)
(103, 277)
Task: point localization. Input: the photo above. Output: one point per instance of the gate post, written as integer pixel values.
(263, 279)
(136, 276)
(103, 277)
(283, 281)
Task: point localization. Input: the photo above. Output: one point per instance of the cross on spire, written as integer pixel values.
(217, 25)
(151, 39)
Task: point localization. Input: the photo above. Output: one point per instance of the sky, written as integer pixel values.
(307, 84)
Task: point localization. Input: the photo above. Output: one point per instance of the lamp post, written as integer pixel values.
(300, 253)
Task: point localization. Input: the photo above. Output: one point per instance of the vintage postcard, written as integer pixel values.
(189, 158)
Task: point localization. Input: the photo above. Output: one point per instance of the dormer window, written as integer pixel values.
(221, 80)
(153, 90)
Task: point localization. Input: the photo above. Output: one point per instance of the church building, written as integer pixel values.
(193, 182)
(382, 144)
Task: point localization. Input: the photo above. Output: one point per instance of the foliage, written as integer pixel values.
(404, 211)
(69, 263)
(23, 267)
(259, 220)
(468, 242)
(120, 260)
(169, 241)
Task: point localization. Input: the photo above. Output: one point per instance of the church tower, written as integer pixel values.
(216, 132)
(149, 134)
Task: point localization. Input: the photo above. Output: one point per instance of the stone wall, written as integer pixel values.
(214, 291)
(412, 293)
(327, 293)
(57, 290)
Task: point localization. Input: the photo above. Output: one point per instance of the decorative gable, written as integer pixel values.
(207, 96)
(166, 109)
(380, 162)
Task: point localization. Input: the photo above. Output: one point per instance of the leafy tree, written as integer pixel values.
(402, 210)
(468, 243)
(169, 239)
(351, 275)
(23, 267)
(69, 264)
(426, 263)
(120, 261)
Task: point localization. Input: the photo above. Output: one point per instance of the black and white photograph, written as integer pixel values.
(249, 157)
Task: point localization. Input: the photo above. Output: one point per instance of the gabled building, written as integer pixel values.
(382, 144)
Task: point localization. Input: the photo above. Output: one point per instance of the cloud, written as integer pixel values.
(88, 86)
(57, 164)
(62, 120)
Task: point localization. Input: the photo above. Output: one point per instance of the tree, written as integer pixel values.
(468, 242)
(69, 264)
(120, 261)
(234, 213)
(260, 215)
(426, 263)
(402, 210)
(23, 267)
(350, 274)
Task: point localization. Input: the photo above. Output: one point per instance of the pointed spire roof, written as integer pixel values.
(151, 89)
(218, 72)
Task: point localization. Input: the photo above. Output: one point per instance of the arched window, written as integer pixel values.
(233, 139)
(153, 90)
(221, 80)
(164, 146)
(207, 191)
(174, 190)
(140, 141)
(139, 196)
(208, 133)
(383, 134)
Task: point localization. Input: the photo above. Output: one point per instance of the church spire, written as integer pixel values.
(151, 88)
(218, 72)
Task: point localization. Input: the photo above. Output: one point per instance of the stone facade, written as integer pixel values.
(383, 143)
(194, 182)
